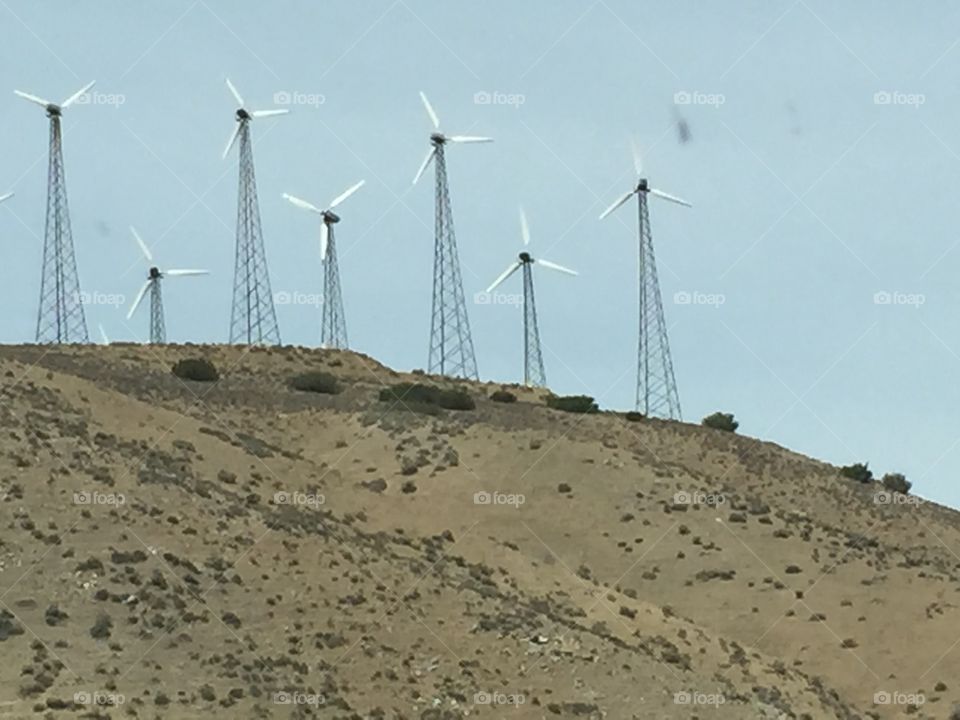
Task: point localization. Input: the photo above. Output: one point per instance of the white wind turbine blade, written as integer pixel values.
(136, 303)
(424, 164)
(345, 194)
(6, 197)
(524, 227)
(617, 204)
(32, 98)
(324, 240)
(231, 141)
(504, 275)
(671, 198)
(103, 334)
(302, 203)
(236, 95)
(143, 246)
(469, 139)
(433, 115)
(554, 266)
(77, 95)
(269, 113)
(637, 159)
(184, 273)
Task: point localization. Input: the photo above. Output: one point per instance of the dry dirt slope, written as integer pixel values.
(240, 549)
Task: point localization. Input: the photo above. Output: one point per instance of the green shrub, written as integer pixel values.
(897, 482)
(634, 416)
(573, 403)
(316, 382)
(858, 471)
(503, 396)
(721, 421)
(409, 394)
(198, 369)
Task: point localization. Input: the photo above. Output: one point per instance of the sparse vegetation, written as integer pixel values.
(897, 482)
(858, 471)
(721, 421)
(418, 396)
(196, 369)
(634, 416)
(503, 396)
(573, 403)
(316, 382)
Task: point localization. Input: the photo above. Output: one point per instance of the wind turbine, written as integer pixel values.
(253, 319)
(333, 328)
(533, 372)
(451, 344)
(158, 331)
(60, 317)
(656, 385)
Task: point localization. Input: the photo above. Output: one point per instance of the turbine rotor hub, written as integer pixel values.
(525, 257)
(154, 273)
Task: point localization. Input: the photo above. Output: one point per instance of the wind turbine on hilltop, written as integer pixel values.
(533, 372)
(333, 327)
(60, 317)
(253, 319)
(158, 330)
(656, 385)
(451, 345)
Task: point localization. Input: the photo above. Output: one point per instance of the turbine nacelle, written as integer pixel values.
(330, 218)
(53, 109)
(439, 139)
(526, 258)
(154, 273)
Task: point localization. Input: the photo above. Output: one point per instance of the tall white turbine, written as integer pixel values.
(656, 385)
(533, 372)
(333, 327)
(60, 317)
(451, 344)
(253, 318)
(158, 330)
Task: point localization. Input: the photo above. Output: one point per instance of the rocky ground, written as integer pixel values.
(240, 549)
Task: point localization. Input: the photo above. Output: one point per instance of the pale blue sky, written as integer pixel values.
(810, 196)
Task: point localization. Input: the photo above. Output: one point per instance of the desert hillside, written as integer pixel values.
(242, 549)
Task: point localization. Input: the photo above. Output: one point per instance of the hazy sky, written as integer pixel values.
(812, 193)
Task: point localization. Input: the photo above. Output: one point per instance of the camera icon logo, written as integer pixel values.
(682, 498)
(881, 698)
(281, 97)
(481, 97)
(882, 98)
(482, 698)
(482, 498)
(682, 97)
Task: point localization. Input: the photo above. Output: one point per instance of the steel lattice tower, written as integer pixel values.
(158, 329)
(656, 386)
(333, 330)
(533, 372)
(451, 345)
(60, 318)
(253, 320)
